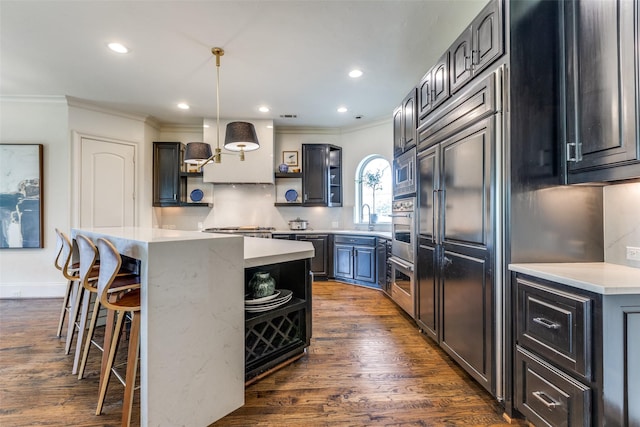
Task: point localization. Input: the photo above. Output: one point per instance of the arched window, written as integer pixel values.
(373, 189)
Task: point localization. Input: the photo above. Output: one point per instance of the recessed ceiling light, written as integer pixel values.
(117, 47)
(263, 109)
(354, 74)
(205, 126)
(183, 106)
(342, 109)
(269, 126)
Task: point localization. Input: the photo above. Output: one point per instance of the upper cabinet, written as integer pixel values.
(257, 168)
(433, 88)
(478, 46)
(170, 180)
(601, 90)
(404, 124)
(321, 175)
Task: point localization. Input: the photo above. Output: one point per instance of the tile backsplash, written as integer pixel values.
(621, 222)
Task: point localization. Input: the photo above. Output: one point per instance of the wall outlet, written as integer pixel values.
(633, 253)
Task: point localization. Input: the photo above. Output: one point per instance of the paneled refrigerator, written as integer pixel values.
(455, 297)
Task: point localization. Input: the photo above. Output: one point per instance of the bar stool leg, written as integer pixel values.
(108, 364)
(73, 315)
(87, 341)
(63, 312)
(84, 314)
(132, 367)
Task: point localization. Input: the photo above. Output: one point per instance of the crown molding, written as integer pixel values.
(36, 99)
(87, 105)
(371, 124)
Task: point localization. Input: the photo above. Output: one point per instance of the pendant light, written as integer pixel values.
(240, 136)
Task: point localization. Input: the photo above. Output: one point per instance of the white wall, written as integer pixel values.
(30, 272)
(85, 120)
(621, 222)
(59, 123)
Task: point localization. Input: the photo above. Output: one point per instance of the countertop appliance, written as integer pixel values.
(404, 174)
(245, 230)
(298, 224)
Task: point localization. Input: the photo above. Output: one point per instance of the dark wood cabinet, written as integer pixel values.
(169, 177)
(320, 262)
(555, 373)
(355, 259)
(383, 252)
(479, 45)
(575, 354)
(321, 175)
(433, 88)
(455, 279)
(364, 264)
(601, 90)
(167, 189)
(404, 124)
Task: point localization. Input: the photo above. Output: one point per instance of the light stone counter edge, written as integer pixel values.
(599, 277)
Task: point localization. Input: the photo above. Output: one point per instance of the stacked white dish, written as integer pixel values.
(278, 298)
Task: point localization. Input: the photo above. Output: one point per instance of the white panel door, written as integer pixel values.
(107, 184)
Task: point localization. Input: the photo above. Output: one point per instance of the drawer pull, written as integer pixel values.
(545, 399)
(546, 323)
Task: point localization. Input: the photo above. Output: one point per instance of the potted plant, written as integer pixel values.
(373, 180)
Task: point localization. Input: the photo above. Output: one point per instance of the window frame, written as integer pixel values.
(359, 186)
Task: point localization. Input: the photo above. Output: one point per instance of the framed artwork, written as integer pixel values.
(290, 158)
(21, 196)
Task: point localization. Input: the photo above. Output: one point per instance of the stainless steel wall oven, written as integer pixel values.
(403, 242)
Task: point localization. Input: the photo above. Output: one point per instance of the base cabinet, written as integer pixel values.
(320, 262)
(575, 355)
(355, 260)
(275, 336)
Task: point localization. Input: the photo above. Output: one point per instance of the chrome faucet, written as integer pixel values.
(370, 227)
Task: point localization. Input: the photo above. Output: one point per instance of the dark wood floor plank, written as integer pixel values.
(367, 365)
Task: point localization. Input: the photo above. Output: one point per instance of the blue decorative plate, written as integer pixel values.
(196, 195)
(291, 195)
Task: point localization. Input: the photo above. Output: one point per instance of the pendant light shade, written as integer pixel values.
(197, 153)
(241, 136)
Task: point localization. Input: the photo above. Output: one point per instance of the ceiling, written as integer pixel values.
(292, 56)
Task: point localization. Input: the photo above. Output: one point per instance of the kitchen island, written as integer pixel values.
(192, 317)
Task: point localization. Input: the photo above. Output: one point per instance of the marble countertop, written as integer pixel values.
(259, 251)
(375, 233)
(150, 235)
(256, 251)
(599, 277)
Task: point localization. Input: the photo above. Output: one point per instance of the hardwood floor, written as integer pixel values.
(367, 365)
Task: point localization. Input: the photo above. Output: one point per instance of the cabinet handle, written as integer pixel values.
(545, 399)
(546, 323)
(577, 152)
(175, 197)
(466, 65)
(475, 58)
(433, 217)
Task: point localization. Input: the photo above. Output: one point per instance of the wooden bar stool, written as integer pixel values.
(71, 272)
(118, 305)
(65, 302)
(124, 281)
